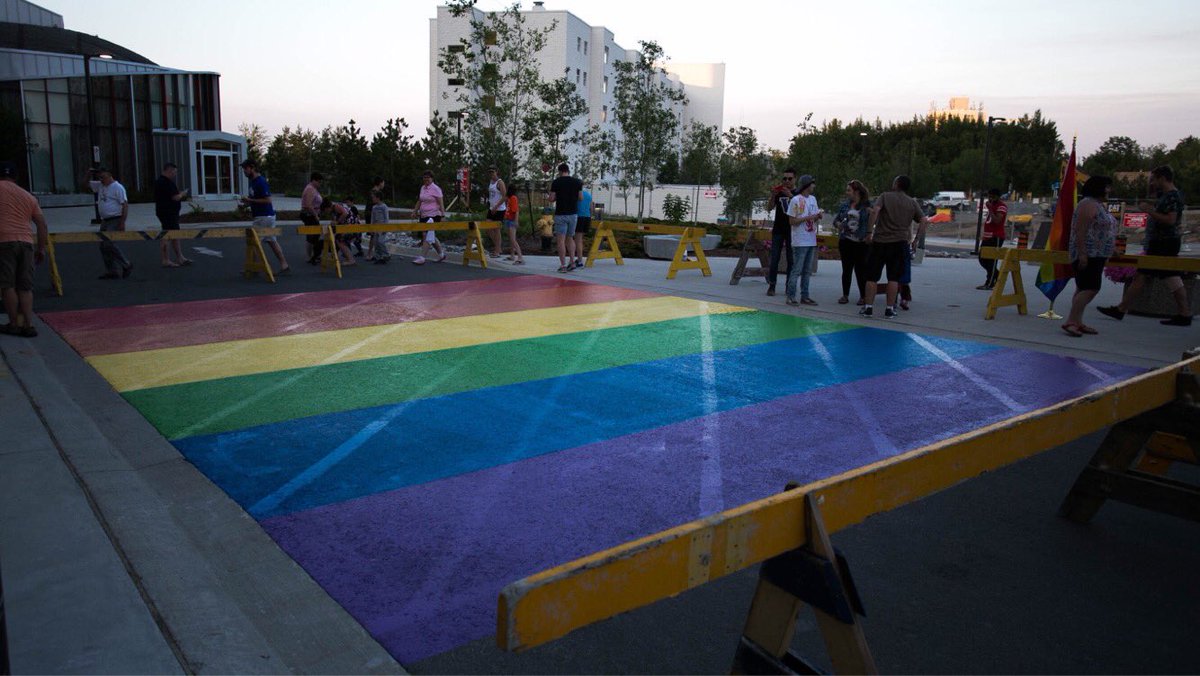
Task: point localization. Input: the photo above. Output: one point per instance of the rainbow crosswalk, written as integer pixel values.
(415, 448)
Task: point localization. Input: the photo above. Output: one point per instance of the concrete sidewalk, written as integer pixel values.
(118, 556)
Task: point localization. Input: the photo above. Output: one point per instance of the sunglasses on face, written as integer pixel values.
(789, 178)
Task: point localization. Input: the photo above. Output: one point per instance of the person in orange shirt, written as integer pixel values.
(18, 254)
(511, 210)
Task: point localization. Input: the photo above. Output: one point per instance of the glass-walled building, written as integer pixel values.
(144, 114)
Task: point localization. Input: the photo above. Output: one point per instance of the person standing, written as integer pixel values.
(511, 211)
(565, 193)
(993, 235)
(851, 223)
(803, 214)
(497, 196)
(310, 214)
(583, 223)
(429, 209)
(781, 231)
(378, 215)
(18, 254)
(1093, 240)
(113, 205)
(263, 210)
(1164, 237)
(890, 239)
(375, 243)
(168, 199)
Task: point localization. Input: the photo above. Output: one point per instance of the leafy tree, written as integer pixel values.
(745, 172)
(441, 151)
(701, 157)
(594, 163)
(288, 159)
(256, 141)
(395, 157)
(1118, 153)
(548, 127)
(676, 208)
(498, 67)
(646, 117)
(352, 169)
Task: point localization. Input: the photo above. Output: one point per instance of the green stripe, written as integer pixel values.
(227, 404)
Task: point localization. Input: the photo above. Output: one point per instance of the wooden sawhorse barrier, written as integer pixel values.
(789, 532)
(752, 245)
(1010, 269)
(256, 260)
(474, 251)
(688, 237)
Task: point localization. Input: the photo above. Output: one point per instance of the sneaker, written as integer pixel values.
(579, 264)
(889, 313)
(1177, 320)
(791, 301)
(771, 290)
(1112, 311)
(808, 301)
(867, 311)
(419, 260)
(565, 268)
(984, 287)
(127, 271)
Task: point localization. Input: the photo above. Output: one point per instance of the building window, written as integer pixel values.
(604, 87)
(576, 76)
(455, 82)
(585, 78)
(579, 44)
(606, 55)
(585, 47)
(456, 49)
(604, 114)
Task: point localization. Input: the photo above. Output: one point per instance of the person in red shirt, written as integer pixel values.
(993, 235)
(18, 252)
(511, 210)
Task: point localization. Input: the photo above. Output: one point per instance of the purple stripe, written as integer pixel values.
(421, 567)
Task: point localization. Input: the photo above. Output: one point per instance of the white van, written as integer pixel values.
(950, 199)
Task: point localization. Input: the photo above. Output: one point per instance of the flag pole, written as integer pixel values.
(1050, 313)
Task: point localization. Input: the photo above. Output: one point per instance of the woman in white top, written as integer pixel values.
(497, 196)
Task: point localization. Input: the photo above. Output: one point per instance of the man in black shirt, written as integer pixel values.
(781, 232)
(167, 201)
(565, 192)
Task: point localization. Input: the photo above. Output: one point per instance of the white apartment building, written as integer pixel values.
(586, 54)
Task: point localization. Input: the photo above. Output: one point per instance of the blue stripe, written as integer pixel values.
(300, 464)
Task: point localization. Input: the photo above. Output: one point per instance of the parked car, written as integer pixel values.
(950, 199)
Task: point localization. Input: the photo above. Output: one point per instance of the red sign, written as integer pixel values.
(710, 194)
(464, 179)
(1135, 220)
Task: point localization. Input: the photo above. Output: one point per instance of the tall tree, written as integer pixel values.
(548, 127)
(646, 115)
(288, 159)
(745, 172)
(497, 68)
(256, 141)
(701, 157)
(441, 151)
(394, 156)
(597, 146)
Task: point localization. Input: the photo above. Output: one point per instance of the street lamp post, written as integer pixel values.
(863, 155)
(95, 149)
(983, 175)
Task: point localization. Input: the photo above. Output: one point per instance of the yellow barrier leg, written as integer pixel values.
(1010, 268)
(474, 250)
(55, 278)
(329, 253)
(604, 234)
(256, 258)
(689, 238)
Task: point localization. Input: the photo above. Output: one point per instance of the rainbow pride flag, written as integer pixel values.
(416, 448)
(1051, 278)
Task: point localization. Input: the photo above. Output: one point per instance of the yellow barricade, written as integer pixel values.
(1010, 268)
(688, 237)
(792, 527)
(256, 260)
(474, 251)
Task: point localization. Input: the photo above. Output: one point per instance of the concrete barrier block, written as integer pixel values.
(663, 246)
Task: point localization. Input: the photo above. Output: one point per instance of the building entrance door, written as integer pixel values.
(216, 173)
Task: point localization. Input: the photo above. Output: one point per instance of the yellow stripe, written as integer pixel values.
(175, 365)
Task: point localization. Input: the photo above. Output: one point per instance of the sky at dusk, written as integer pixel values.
(1098, 68)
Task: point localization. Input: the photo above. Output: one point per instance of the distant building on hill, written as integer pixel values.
(959, 109)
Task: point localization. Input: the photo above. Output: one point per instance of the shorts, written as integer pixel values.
(265, 222)
(430, 235)
(510, 224)
(16, 266)
(1162, 247)
(564, 224)
(309, 218)
(168, 222)
(890, 256)
(1088, 277)
(583, 224)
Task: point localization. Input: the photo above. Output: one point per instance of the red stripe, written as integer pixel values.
(144, 316)
(185, 330)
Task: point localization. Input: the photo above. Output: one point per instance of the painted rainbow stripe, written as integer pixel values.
(415, 448)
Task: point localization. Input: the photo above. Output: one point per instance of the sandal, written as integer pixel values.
(861, 301)
(518, 262)
(1085, 329)
(1072, 329)
(843, 300)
